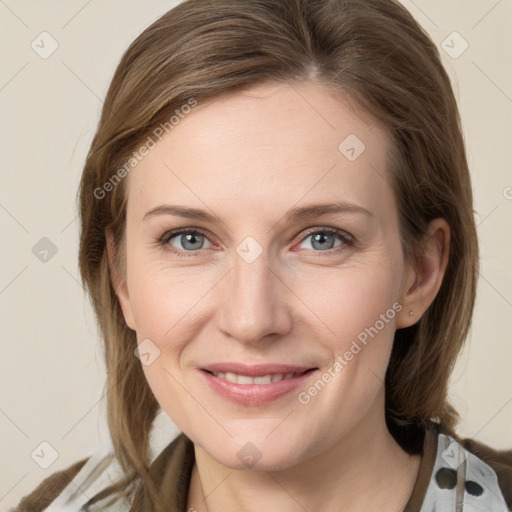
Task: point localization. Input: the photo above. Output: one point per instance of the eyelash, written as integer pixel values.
(163, 241)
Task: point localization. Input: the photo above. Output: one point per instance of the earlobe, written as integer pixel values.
(118, 281)
(424, 281)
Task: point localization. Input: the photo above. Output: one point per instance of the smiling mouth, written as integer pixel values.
(261, 379)
(255, 385)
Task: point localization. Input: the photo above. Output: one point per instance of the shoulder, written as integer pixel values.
(499, 460)
(48, 490)
(171, 468)
(484, 458)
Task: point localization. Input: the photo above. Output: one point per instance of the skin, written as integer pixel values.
(249, 158)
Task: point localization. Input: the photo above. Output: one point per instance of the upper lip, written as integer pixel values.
(256, 370)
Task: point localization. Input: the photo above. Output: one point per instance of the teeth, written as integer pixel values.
(263, 379)
(244, 379)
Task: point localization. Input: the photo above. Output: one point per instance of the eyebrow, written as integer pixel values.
(294, 215)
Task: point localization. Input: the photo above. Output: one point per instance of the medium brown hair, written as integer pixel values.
(372, 51)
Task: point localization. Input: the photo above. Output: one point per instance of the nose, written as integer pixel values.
(255, 307)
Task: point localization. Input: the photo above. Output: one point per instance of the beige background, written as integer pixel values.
(51, 366)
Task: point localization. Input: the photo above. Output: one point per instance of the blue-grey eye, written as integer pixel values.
(323, 240)
(189, 240)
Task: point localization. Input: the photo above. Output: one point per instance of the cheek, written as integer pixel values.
(171, 393)
(162, 298)
(358, 313)
(344, 302)
(165, 308)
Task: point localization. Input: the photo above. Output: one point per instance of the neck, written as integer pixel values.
(364, 470)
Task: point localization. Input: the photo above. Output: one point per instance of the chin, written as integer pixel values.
(261, 454)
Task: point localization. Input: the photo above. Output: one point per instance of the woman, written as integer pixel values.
(278, 240)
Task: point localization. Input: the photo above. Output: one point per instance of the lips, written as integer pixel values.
(254, 385)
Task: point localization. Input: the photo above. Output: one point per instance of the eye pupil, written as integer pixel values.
(189, 239)
(321, 238)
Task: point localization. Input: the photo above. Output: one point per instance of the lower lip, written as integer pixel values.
(255, 394)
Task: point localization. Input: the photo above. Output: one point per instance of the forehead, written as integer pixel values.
(272, 144)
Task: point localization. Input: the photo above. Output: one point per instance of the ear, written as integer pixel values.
(119, 282)
(423, 280)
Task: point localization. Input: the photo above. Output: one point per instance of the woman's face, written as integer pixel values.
(263, 286)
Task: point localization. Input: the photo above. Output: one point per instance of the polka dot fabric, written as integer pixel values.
(461, 482)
